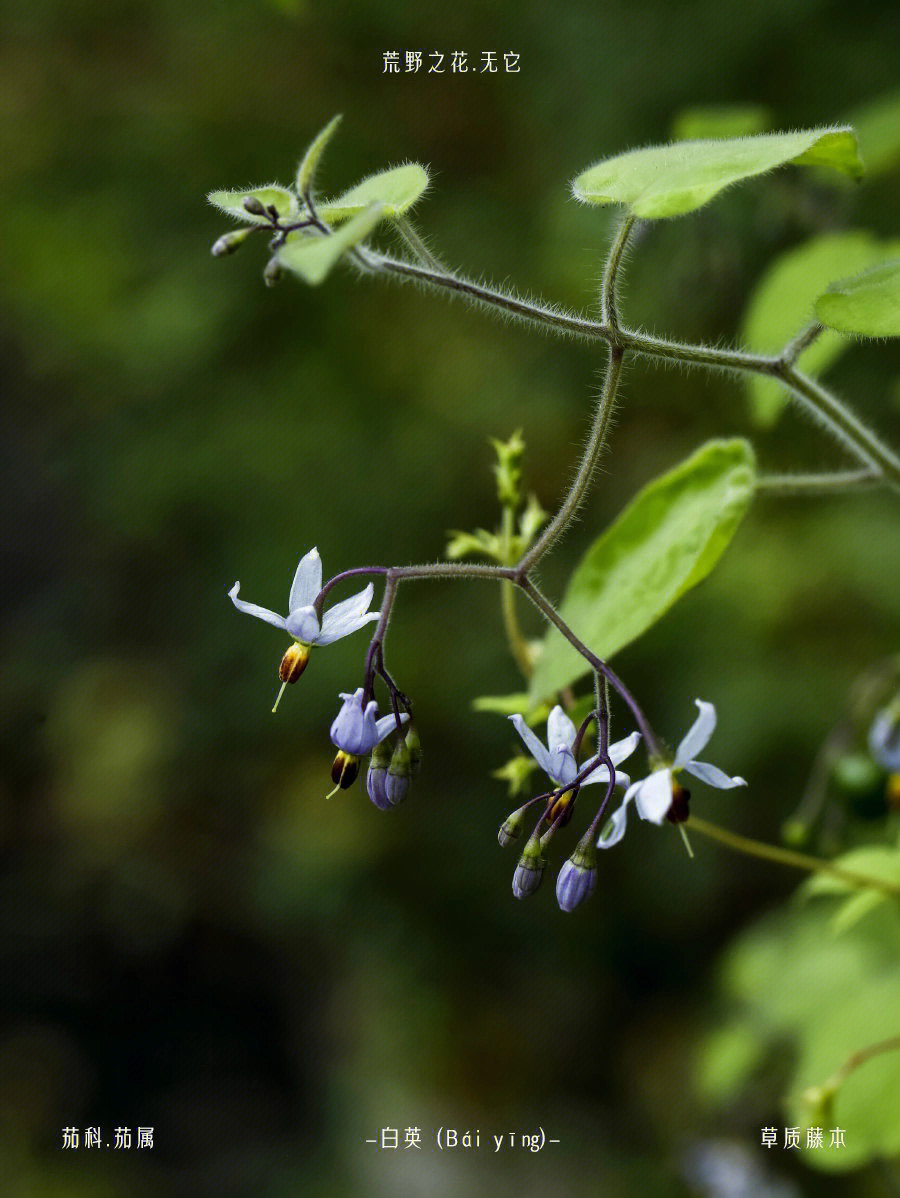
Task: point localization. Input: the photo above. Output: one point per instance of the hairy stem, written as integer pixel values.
(654, 748)
(592, 450)
(608, 299)
(845, 426)
(536, 313)
(802, 341)
(415, 244)
(518, 646)
(771, 852)
(817, 484)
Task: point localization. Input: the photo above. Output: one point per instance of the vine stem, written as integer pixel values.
(861, 1057)
(550, 613)
(771, 852)
(592, 450)
(518, 646)
(817, 484)
(837, 419)
(609, 314)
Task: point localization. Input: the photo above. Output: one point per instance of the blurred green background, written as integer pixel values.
(191, 938)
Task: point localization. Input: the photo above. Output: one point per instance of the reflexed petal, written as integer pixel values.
(532, 744)
(618, 820)
(600, 773)
(712, 775)
(334, 630)
(560, 729)
(303, 624)
(386, 725)
(617, 752)
(623, 748)
(653, 796)
(698, 734)
(564, 765)
(354, 606)
(253, 609)
(307, 580)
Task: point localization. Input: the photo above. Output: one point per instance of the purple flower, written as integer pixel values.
(357, 730)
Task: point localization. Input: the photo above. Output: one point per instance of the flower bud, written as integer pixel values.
(396, 784)
(511, 828)
(294, 662)
(229, 242)
(254, 206)
(344, 770)
(415, 751)
(884, 738)
(530, 869)
(272, 273)
(577, 877)
(377, 775)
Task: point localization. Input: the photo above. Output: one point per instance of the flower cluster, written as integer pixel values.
(657, 797)
(558, 760)
(390, 741)
(357, 730)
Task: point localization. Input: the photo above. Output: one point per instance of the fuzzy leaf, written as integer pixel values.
(662, 181)
(306, 171)
(867, 305)
(784, 300)
(395, 190)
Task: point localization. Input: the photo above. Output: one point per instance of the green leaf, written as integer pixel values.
(313, 257)
(232, 202)
(307, 169)
(872, 861)
(668, 538)
(663, 181)
(867, 305)
(878, 131)
(783, 302)
(721, 120)
(395, 190)
(817, 999)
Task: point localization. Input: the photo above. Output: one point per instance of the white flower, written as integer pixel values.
(558, 761)
(653, 795)
(301, 621)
